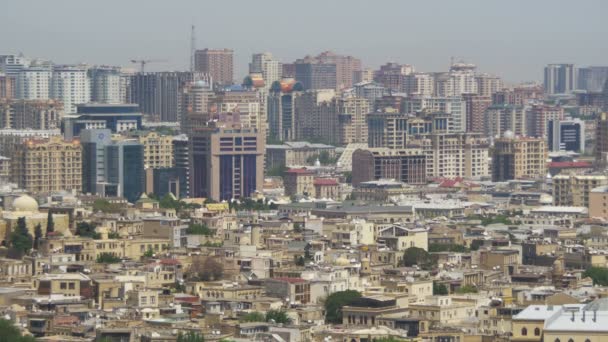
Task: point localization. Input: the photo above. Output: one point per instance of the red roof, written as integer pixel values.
(576, 164)
(325, 181)
(170, 262)
(299, 171)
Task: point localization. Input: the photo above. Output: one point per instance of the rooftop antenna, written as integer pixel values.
(192, 47)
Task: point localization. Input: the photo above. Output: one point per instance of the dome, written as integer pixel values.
(25, 203)
(509, 135)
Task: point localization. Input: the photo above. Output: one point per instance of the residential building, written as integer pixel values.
(124, 170)
(560, 78)
(347, 68)
(247, 103)
(598, 202)
(404, 165)
(158, 150)
(538, 117)
(499, 119)
(7, 86)
(281, 109)
(326, 188)
(11, 138)
(299, 182)
(106, 84)
(31, 114)
(574, 190)
(49, 165)
(476, 106)
(454, 107)
(488, 84)
(313, 74)
(225, 162)
(218, 63)
(459, 80)
(601, 137)
(352, 120)
(295, 153)
(387, 129)
(518, 158)
(592, 78)
(70, 84)
(265, 64)
(33, 83)
(419, 84)
(316, 116)
(181, 161)
(392, 76)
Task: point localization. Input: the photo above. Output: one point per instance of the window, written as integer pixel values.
(536, 332)
(72, 286)
(63, 286)
(524, 332)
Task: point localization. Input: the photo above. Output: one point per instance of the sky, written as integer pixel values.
(513, 39)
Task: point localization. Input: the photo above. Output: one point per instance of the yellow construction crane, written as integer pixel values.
(143, 62)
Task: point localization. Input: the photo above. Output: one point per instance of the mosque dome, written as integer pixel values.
(25, 203)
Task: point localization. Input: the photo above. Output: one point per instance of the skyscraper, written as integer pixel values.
(265, 64)
(280, 109)
(31, 114)
(216, 62)
(352, 120)
(7, 86)
(601, 138)
(476, 106)
(125, 170)
(313, 74)
(560, 78)
(566, 135)
(33, 83)
(70, 85)
(347, 68)
(518, 158)
(105, 84)
(592, 78)
(226, 162)
(116, 117)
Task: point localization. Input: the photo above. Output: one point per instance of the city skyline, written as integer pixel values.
(499, 42)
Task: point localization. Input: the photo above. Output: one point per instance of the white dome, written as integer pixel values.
(508, 134)
(25, 203)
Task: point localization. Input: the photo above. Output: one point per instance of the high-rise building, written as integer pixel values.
(459, 80)
(593, 78)
(560, 78)
(371, 91)
(488, 84)
(218, 63)
(453, 154)
(106, 84)
(125, 174)
(601, 138)
(34, 83)
(181, 160)
(538, 116)
(313, 74)
(32, 114)
(49, 165)
(158, 94)
(566, 135)
(392, 75)
(265, 64)
(281, 109)
(387, 129)
(499, 119)
(116, 117)
(11, 65)
(404, 165)
(518, 158)
(94, 142)
(352, 120)
(225, 162)
(454, 106)
(519, 96)
(316, 116)
(7, 87)
(10, 139)
(158, 150)
(247, 103)
(476, 106)
(70, 84)
(347, 68)
(418, 84)
(196, 98)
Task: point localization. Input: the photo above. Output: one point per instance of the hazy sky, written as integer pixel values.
(513, 38)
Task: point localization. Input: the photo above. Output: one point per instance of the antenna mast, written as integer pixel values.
(192, 48)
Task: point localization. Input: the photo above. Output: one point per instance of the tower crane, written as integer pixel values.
(143, 62)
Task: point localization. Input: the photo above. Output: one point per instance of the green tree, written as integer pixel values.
(599, 275)
(276, 171)
(10, 333)
(254, 316)
(438, 247)
(307, 253)
(418, 256)
(190, 336)
(299, 260)
(21, 239)
(86, 229)
(37, 236)
(199, 229)
(467, 289)
(278, 316)
(439, 289)
(106, 206)
(334, 303)
(50, 224)
(113, 235)
(107, 258)
(149, 253)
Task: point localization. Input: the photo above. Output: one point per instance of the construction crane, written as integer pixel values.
(143, 62)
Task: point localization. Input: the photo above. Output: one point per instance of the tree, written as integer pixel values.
(254, 316)
(334, 303)
(190, 336)
(86, 229)
(10, 333)
(50, 224)
(307, 253)
(149, 253)
(599, 275)
(299, 260)
(199, 229)
(418, 256)
(113, 235)
(438, 247)
(21, 239)
(466, 289)
(277, 316)
(37, 236)
(439, 289)
(107, 258)
(209, 269)
(106, 206)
